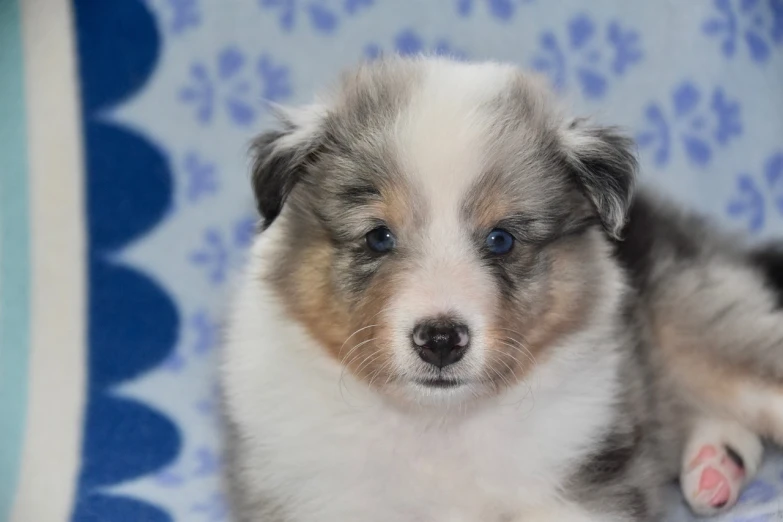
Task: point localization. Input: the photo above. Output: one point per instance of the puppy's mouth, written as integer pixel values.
(440, 382)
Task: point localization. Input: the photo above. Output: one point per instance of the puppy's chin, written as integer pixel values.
(445, 389)
(437, 394)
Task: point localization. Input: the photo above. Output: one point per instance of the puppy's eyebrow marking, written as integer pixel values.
(523, 223)
(359, 193)
(519, 219)
(526, 227)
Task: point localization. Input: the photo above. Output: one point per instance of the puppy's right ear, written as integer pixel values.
(280, 160)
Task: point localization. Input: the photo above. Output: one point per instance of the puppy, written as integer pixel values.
(458, 310)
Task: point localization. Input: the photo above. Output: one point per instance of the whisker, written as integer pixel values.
(350, 336)
(510, 354)
(379, 371)
(523, 349)
(512, 331)
(344, 360)
(368, 360)
(523, 381)
(497, 372)
(529, 355)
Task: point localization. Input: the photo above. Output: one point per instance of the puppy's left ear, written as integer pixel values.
(603, 162)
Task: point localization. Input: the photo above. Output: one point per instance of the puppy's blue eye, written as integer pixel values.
(500, 242)
(380, 240)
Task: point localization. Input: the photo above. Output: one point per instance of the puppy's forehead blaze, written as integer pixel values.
(420, 140)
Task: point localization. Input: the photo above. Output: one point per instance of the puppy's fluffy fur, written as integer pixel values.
(616, 340)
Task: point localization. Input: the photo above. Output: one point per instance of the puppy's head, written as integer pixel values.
(443, 227)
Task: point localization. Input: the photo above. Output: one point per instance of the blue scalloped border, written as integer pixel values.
(132, 323)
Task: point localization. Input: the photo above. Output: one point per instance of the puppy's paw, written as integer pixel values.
(713, 479)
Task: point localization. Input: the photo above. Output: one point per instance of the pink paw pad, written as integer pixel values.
(714, 488)
(706, 453)
(713, 479)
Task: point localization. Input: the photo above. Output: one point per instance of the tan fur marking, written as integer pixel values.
(397, 205)
(374, 366)
(523, 337)
(310, 298)
(730, 391)
(356, 338)
(491, 202)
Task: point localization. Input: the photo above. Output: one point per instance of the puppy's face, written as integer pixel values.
(444, 229)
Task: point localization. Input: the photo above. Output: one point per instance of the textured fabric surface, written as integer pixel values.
(171, 91)
(14, 249)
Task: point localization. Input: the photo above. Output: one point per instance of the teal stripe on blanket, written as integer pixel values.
(14, 254)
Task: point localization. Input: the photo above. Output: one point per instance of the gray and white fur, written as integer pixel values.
(388, 360)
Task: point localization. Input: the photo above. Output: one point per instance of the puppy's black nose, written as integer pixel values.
(440, 342)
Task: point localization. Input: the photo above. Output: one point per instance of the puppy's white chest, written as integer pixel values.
(433, 474)
(491, 467)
